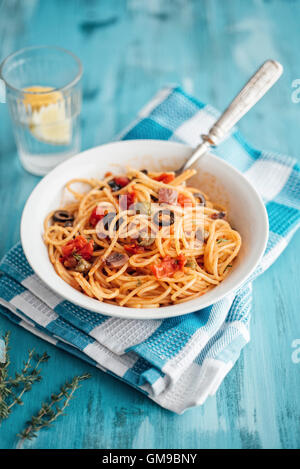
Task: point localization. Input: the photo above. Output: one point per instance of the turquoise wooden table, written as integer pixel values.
(129, 50)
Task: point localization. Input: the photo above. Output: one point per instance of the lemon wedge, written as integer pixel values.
(50, 124)
(48, 121)
(41, 97)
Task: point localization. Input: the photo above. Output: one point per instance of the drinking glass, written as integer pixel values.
(42, 87)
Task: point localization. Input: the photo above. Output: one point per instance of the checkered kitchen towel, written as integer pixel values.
(177, 362)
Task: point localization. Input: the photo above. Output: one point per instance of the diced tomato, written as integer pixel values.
(96, 215)
(127, 200)
(79, 246)
(122, 181)
(68, 249)
(181, 261)
(80, 241)
(168, 266)
(184, 201)
(134, 248)
(165, 178)
(87, 251)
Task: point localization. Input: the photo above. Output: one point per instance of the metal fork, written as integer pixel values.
(265, 77)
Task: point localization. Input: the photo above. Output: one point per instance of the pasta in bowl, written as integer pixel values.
(141, 240)
(116, 240)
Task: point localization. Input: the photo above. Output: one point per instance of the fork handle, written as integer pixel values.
(253, 91)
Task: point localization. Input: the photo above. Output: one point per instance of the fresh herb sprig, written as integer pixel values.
(12, 389)
(4, 392)
(50, 411)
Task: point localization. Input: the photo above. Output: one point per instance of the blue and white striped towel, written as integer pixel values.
(177, 362)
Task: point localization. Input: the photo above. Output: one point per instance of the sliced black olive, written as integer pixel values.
(114, 186)
(109, 218)
(164, 221)
(68, 223)
(118, 223)
(153, 198)
(200, 196)
(62, 216)
(217, 216)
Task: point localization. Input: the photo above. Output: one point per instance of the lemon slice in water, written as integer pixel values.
(48, 121)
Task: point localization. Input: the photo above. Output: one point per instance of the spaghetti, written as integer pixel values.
(142, 240)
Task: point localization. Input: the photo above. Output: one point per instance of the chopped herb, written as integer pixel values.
(78, 257)
(227, 267)
(222, 240)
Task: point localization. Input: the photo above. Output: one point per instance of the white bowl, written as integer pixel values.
(218, 179)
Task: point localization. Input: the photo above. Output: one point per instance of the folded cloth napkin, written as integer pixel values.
(177, 362)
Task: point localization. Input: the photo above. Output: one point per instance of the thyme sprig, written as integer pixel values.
(12, 389)
(50, 411)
